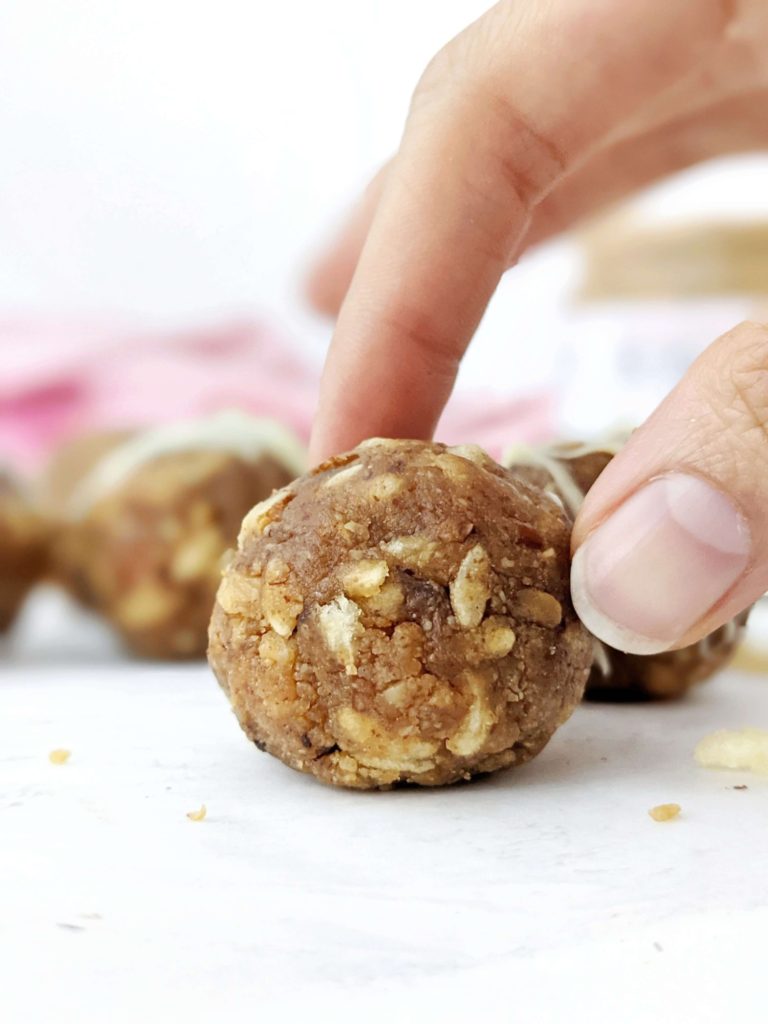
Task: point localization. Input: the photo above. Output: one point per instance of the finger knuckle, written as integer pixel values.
(470, 88)
(423, 338)
(527, 156)
(520, 158)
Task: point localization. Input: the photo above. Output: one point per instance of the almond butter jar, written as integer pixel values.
(651, 299)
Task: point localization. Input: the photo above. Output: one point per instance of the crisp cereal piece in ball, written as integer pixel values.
(569, 470)
(401, 614)
(23, 547)
(148, 525)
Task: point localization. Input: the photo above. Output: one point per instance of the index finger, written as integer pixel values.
(502, 114)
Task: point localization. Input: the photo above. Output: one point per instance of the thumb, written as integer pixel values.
(672, 541)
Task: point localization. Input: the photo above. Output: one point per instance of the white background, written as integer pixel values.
(173, 161)
(175, 157)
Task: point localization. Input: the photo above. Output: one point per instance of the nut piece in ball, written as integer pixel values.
(569, 470)
(148, 525)
(401, 614)
(23, 548)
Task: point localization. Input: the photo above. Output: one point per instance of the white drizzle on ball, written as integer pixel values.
(553, 458)
(248, 437)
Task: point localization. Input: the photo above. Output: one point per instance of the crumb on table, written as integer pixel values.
(665, 812)
(59, 756)
(198, 815)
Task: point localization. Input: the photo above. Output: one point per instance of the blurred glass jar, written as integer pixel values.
(652, 298)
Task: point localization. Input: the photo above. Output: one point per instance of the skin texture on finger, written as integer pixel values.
(735, 125)
(672, 540)
(714, 110)
(735, 67)
(492, 129)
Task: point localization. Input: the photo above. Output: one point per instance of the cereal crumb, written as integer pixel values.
(665, 812)
(742, 786)
(470, 590)
(198, 815)
(59, 756)
(742, 750)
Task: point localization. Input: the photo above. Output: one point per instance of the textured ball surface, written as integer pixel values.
(401, 614)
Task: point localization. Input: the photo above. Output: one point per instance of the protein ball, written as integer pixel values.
(148, 525)
(23, 548)
(569, 470)
(401, 614)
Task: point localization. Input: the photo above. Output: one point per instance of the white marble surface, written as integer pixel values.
(546, 894)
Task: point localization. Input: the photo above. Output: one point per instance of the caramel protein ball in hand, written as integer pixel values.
(401, 614)
(569, 470)
(23, 547)
(149, 523)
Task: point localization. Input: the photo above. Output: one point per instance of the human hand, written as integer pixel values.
(533, 117)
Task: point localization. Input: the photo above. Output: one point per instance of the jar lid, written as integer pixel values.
(629, 258)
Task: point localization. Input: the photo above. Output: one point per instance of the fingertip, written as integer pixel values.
(602, 625)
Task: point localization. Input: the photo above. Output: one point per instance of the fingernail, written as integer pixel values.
(666, 556)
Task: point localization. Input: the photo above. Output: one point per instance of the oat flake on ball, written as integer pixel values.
(401, 614)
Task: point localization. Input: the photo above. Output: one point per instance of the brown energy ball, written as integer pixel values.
(149, 524)
(23, 548)
(401, 614)
(569, 470)
(632, 677)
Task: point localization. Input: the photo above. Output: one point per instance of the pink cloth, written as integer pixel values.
(60, 379)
